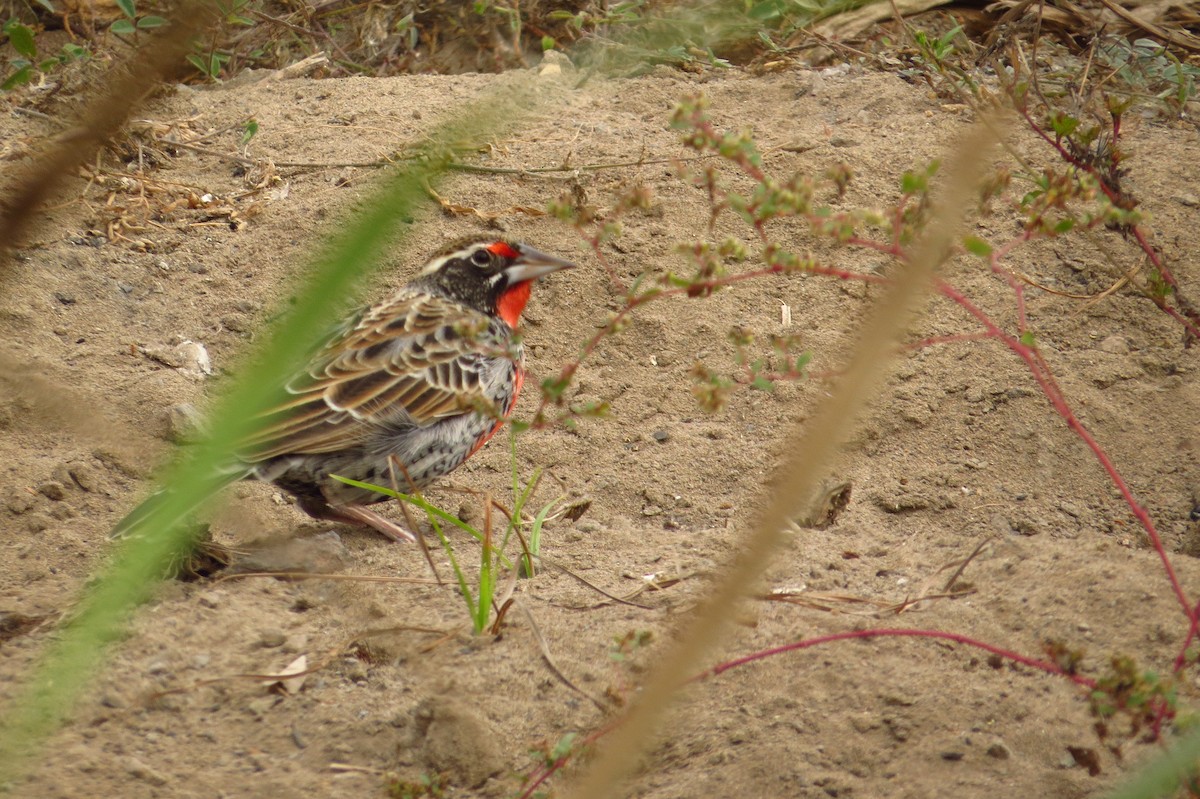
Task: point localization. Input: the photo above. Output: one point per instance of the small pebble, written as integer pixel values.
(111, 700)
(139, 770)
(52, 489)
(184, 423)
(83, 475)
(37, 522)
(999, 750)
(271, 638)
(1116, 345)
(19, 501)
(62, 512)
(662, 436)
(210, 599)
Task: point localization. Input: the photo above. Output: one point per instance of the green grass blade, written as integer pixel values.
(75, 656)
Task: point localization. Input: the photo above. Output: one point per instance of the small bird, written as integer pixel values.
(403, 391)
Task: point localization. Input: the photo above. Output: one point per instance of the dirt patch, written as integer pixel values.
(959, 448)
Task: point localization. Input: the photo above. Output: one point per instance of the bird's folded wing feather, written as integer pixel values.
(413, 360)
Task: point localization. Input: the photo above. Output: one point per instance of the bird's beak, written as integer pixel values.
(533, 264)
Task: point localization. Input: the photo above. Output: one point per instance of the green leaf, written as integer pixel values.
(912, 183)
(123, 27)
(547, 43)
(977, 246)
(249, 131)
(127, 8)
(1063, 125)
(21, 37)
(1028, 339)
(197, 62)
(74, 51)
(1064, 226)
(151, 22)
(46, 4)
(18, 78)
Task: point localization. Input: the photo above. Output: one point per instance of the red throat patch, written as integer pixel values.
(512, 302)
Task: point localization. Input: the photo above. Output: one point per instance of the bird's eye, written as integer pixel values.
(481, 258)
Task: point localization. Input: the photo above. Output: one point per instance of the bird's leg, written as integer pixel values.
(354, 514)
(368, 517)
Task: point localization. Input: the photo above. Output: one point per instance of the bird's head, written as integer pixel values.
(489, 274)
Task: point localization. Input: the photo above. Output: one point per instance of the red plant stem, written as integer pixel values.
(1042, 665)
(1045, 379)
(1161, 266)
(795, 646)
(548, 771)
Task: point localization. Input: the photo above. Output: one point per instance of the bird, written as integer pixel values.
(402, 392)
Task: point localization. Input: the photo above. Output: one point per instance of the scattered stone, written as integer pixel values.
(113, 701)
(201, 660)
(457, 742)
(554, 63)
(19, 501)
(1116, 345)
(661, 436)
(139, 770)
(187, 356)
(62, 511)
(52, 489)
(37, 522)
(64, 297)
(271, 638)
(184, 423)
(210, 599)
(1188, 199)
(952, 756)
(84, 476)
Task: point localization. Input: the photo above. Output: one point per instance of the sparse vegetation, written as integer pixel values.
(1074, 191)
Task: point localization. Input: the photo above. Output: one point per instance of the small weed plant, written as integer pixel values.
(482, 594)
(1076, 195)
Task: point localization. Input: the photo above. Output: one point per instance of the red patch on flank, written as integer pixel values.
(512, 302)
(519, 380)
(503, 249)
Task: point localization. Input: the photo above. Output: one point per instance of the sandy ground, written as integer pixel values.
(960, 449)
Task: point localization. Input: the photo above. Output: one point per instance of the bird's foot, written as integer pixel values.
(369, 518)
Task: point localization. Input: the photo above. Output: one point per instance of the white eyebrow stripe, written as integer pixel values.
(437, 263)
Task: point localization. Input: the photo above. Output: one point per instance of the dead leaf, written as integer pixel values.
(290, 685)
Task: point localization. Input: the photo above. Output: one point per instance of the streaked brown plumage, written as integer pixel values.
(420, 380)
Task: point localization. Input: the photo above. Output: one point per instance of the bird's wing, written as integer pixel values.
(412, 360)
